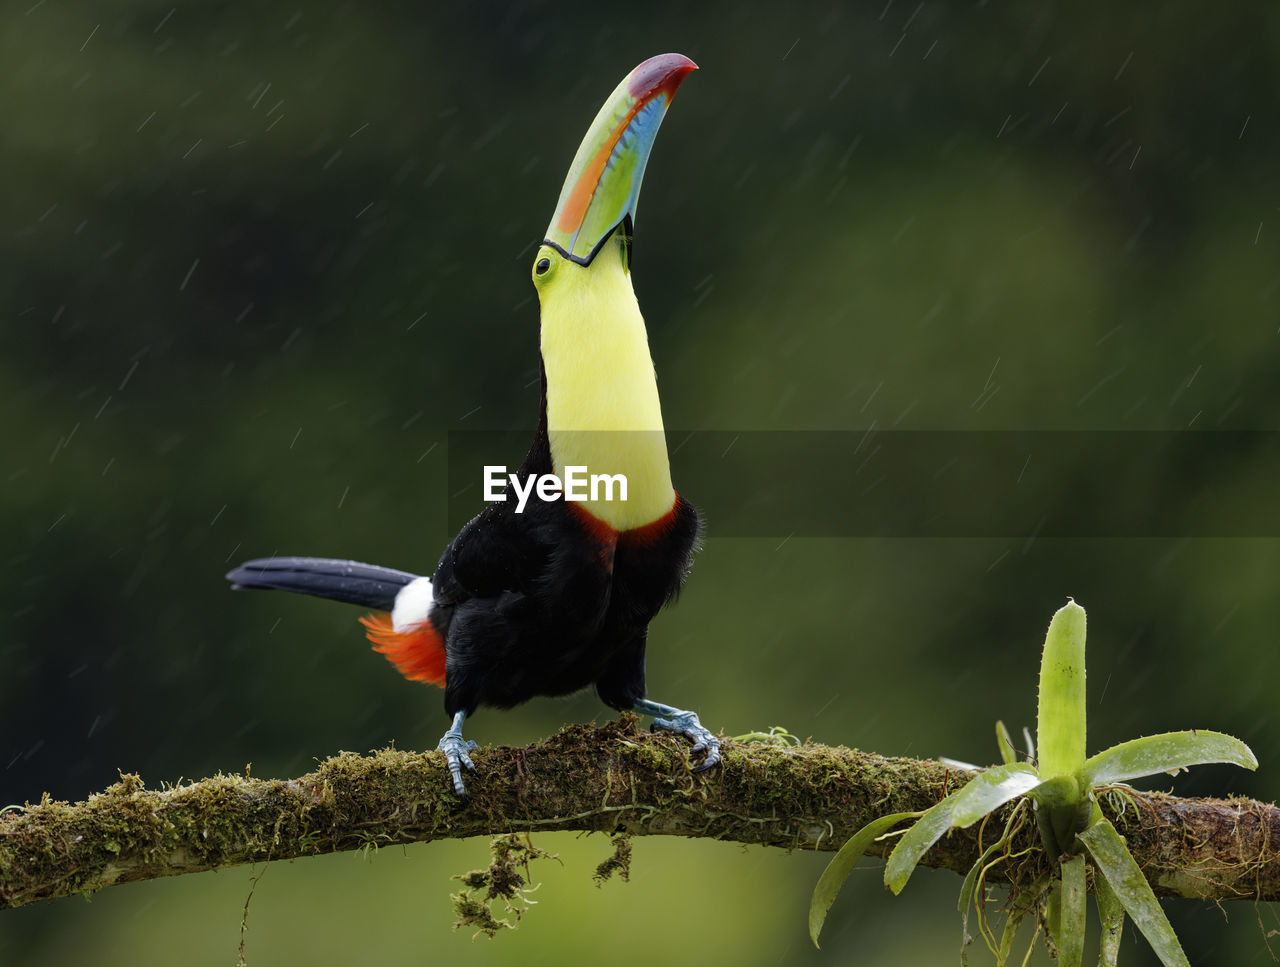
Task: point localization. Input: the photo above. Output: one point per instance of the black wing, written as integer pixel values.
(521, 600)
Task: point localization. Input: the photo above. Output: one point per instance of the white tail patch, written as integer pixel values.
(413, 601)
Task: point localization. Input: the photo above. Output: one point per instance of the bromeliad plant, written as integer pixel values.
(1060, 789)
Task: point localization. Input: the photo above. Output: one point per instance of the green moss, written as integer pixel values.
(618, 862)
(503, 881)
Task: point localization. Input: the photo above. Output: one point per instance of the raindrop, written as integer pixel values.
(185, 279)
(127, 376)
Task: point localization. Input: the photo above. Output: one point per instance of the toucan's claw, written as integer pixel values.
(686, 723)
(455, 749)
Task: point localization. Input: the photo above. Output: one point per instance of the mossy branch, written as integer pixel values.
(611, 778)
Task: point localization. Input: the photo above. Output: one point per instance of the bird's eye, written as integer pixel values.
(542, 266)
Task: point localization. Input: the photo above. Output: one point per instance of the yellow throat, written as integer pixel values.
(602, 394)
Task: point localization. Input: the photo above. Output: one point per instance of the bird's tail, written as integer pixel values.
(367, 585)
(406, 635)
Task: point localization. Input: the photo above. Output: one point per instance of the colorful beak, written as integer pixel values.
(603, 183)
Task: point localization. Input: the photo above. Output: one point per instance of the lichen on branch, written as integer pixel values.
(613, 778)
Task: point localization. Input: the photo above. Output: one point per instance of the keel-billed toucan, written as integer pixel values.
(559, 596)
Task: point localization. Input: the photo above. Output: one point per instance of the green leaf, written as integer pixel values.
(1011, 926)
(1058, 792)
(1061, 715)
(988, 790)
(1168, 752)
(1131, 888)
(1022, 905)
(1066, 807)
(1007, 754)
(1052, 915)
(1071, 912)
(971, 878)
(1111, 917)
(968, 888)
(968, 902)
(838, 870)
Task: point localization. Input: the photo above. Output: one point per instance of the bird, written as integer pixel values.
(553, 594)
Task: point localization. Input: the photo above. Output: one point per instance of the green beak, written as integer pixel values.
(603, 183)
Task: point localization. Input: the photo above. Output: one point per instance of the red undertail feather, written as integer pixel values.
(417, 652)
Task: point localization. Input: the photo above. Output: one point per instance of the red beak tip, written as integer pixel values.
(662, 73)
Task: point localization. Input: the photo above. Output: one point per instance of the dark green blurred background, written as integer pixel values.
(260, 260)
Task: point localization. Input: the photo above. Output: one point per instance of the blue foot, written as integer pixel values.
(685, 723)
(455, 749)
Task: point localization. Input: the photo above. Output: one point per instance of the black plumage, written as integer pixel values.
(544, 603)
(368, 585)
